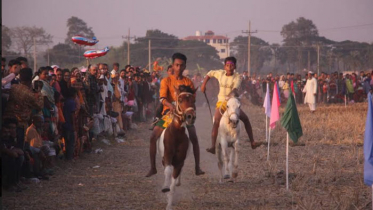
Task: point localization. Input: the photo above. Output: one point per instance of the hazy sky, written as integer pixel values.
(110, 19)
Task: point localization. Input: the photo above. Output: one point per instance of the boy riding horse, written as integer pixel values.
(167, 95)
(229, 81)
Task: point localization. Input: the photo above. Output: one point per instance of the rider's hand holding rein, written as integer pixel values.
(169, 105)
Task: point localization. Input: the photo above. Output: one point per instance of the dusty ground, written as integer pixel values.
(327, 173)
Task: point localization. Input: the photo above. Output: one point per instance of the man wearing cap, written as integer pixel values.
(310, 89)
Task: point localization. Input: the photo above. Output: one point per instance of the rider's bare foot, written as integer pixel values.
(254, 145)
(151, 172)
(199, 171)
(211, 150)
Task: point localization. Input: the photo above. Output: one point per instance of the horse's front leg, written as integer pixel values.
(224, 151)
(169, 168)
(175, 179)
(220, 160)
(235, 164)
(167, 178)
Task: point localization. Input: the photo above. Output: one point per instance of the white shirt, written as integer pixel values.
(310, 89)
(226, 83)
(5, 82)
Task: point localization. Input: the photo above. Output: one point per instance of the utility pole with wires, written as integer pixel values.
(34, 54)
(318, 59)
(249, 32)
(150, 54)
(128, 37)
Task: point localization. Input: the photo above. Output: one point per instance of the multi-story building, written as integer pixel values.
(219, 42)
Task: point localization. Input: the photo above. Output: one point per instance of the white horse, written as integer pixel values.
(229, 131)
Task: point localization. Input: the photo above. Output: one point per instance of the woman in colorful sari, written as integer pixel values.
(49, 109)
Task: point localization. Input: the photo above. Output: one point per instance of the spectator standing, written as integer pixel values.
(22, 100)
(311, 92)
(69, 109)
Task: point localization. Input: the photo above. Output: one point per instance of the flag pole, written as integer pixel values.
(269, 141)
(266, 128)
(287, 161)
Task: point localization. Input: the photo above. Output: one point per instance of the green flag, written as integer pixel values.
(290, 120)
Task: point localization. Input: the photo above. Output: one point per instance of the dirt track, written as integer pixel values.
(320, 182)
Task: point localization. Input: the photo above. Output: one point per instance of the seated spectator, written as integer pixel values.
(34, 143)
(12, 157)
(50, 142)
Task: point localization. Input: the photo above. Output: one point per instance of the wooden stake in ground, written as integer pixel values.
(345, 100)
(266, 128)
(287, 161)
(269, 142)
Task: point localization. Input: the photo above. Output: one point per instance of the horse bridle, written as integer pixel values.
(178, 112)
(226, 111)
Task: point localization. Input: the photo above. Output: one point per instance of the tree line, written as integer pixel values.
(302, 48)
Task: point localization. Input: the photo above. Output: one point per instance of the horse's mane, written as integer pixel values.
(184, 88)
(233, 94)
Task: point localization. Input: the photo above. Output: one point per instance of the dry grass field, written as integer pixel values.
(326, 170)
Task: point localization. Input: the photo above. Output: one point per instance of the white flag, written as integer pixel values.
(267, 103)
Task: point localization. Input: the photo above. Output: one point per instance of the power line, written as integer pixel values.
(320, 30)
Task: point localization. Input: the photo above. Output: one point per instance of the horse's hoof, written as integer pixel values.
(164, 190)
(234, 175)
(151, 172)
(178, 184)
(226, 177)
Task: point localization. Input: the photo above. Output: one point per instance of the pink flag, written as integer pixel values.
(275, 116)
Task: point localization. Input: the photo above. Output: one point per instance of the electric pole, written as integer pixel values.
(318, 59)
(227, 45)
(34, 54)
(150, 55)
(128, 37)
(48, 57)
(249, 32)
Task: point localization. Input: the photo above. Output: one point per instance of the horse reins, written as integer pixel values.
(179, 113)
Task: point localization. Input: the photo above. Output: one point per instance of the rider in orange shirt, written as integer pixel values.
(167, 95)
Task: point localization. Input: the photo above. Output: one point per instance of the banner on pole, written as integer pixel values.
(290, 120)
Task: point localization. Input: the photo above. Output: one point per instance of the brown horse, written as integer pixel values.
(174, 142)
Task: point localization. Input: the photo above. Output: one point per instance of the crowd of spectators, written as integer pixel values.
(331, 88)
(54, 113)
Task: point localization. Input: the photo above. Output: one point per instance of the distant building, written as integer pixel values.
(219, 42)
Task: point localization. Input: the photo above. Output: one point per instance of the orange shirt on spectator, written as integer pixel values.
(33, 137)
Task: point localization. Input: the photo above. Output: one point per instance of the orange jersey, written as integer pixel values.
(167, 89)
